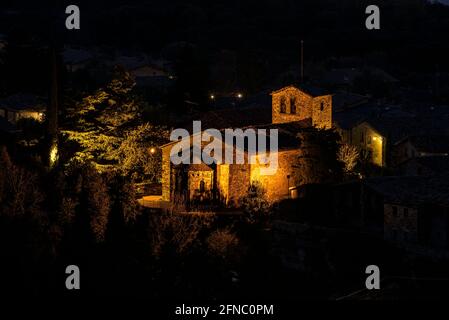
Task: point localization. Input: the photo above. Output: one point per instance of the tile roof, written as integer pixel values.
(22, 102)
(430, 143)
(412, 190)
(309, 89)
(6, 126)
(437, 164)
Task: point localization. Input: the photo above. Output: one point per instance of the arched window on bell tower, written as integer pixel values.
(293, 105)
(283, 107)
(202, 186)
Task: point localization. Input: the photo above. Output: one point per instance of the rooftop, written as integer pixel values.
(412, 190)
(309, 89)
(22, 102)
(6, 126)
(430, 143)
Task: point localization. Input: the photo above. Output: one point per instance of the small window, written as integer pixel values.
(408, 236)
(322, 106)
(202, 186)
(11, 116)
(283, 105)
(394, 234)
(395, 211)
(405, 212)
(292, 105)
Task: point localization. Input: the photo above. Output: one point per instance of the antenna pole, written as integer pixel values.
(302, 61)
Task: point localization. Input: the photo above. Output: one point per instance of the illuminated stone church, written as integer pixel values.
(294, 111)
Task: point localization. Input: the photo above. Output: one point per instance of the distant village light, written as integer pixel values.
(152, 150)
(239, 95)
(212, 96)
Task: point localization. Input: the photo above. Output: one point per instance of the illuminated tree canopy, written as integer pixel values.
(110, 133)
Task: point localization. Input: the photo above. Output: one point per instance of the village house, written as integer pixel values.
(7, 130)
(373, 128)
(345, 78)
(423, 166)
(76, 59)
(293, 112)
(418, 146)
(21, 106)
(408, 212)
(381, 132)
(147, 72)
(422, 155)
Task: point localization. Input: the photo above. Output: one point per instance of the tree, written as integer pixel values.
(19, 190)
(85, 204)
(254, 204)
(107, 128)
(31, 130)
(174, 233)
(318, 161)
(138, 154)
(124, 209)
(349, 156)
(221, 243)
(95, 196)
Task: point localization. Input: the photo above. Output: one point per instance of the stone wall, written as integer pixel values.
(195, 178)
(319, 109)
(223, 182)
(277, 185)
(400, 223)
(239, 182)
(322, 112)
(371, 144)
(303, 102)
(166, 174)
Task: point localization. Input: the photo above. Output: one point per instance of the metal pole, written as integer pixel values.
(302, 61)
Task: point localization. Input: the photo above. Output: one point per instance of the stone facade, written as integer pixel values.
(239, 182)
(223, 183)
(400, 223)
(292, 104)
(373, 145)
(200, 184)
(166, 174)
(277, 185)
(228, 183)
(322, 112)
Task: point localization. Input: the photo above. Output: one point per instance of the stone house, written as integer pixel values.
(408, 212)
(424, 166)
(420, 146)
(293, 112)
(19, 106)
(388, 135)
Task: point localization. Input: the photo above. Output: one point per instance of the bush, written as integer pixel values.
(254, 204)
(221, 243)
(176, 233)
